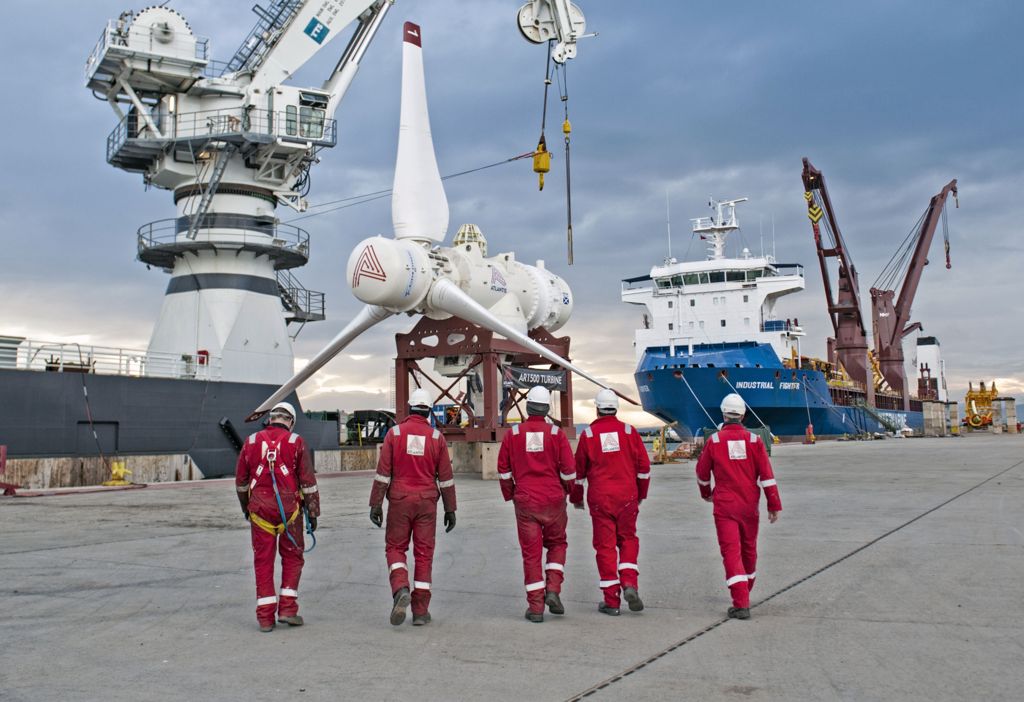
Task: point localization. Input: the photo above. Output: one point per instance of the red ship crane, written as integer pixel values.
(891, 314)
(850, 345)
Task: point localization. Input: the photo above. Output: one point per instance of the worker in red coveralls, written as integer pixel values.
(739, 462)
(274, 479)
(612, 460)
(536, 469)
(414, 468)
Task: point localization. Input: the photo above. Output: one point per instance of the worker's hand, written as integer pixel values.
(312, 524)
(706, 499)
(449, 521)
(377, 515)
(773, 517)
(577, 505)
(245, 513)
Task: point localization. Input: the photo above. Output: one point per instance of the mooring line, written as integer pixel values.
(693, 637)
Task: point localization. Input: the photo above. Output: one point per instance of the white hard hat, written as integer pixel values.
(734, 404)
(539, 394)
(606, 399)
(283, 408)
(420, 398)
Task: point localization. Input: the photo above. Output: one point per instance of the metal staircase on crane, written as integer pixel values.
(223, 157)
(262, 36)
(301, 304)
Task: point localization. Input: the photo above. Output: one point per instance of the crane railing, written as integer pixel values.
(64, 357)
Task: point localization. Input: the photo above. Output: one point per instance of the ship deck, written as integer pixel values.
(891, 574)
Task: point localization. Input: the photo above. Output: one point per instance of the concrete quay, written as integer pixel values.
(892, 574)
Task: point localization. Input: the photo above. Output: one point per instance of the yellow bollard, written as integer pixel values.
(118, 473)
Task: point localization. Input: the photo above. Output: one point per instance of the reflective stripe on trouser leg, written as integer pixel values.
(531, 544)
(628, 544)
(264, 551)
(397, 532)
(291, 568)
(606, 554)
(748, 548)
(424, 529)
(553, 527)
(735, 574)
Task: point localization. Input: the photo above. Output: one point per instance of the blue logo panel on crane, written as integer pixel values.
(317, 30)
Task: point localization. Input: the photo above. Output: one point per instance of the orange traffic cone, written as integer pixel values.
(809, 434)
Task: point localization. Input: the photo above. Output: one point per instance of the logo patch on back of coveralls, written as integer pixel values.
(414, 444)
(534, 441)
(610, 442)
(738, 449)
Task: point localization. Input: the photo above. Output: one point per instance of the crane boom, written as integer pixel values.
(851, 346)
(891, 314)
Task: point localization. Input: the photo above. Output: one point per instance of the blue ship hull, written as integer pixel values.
(687, 389)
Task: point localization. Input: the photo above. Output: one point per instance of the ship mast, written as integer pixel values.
(716, 229)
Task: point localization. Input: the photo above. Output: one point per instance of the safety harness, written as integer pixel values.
(270, 455)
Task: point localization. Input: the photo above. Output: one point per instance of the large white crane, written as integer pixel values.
(233, 141)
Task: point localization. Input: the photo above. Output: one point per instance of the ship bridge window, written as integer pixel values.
(311, 122)
(691, 279)
(736, 276)
(677, 281)
(664, 283)
(717, 276)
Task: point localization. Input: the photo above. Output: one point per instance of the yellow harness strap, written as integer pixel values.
(272, 529)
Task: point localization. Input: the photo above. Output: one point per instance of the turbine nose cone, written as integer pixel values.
(393, 274)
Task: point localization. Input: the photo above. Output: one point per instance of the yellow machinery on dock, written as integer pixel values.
(978, 405)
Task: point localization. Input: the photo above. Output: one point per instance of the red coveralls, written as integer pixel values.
(741, 468)
(413, 468)
(611, 456)
(536, 469)
(296, 483)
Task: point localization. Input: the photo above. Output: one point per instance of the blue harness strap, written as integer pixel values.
(272, 459)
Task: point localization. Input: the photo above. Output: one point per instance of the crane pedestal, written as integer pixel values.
(479, 352)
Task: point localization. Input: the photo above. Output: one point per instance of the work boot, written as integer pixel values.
(267, 628)
(402, 599)
(420, 619)
(632, 597)
(739, 613)
(554, 603)
(294, 620)
(605, 608)
(535, 617)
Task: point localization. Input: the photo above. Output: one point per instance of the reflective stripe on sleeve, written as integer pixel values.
(753, 437)
(643, 476)
(736, 579)
(714, 437)
(568, 476)
(768, 483)
(260, 601)
(396, 430)
(396, 566)
(515, 430)
(554, 429)
(535, 586)
(252, 438)
(505, 476)
(629, 429)
(242, 488)
(629, 566)
(436, 435)
(751, 576)
(554, 566)
(589, 432)
(705, 483)
(609, 583)
(446, 483)
(288, 592)
(309, 489)
(293, 438)
(382, 478)
(420, 585)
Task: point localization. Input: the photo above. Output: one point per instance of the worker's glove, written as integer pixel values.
(245, 513)
(312, 524)
(377, 515)
(449, 521)
(577, 505)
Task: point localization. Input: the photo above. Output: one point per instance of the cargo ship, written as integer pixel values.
(715, 326)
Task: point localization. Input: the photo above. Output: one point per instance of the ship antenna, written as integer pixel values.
(668, 224)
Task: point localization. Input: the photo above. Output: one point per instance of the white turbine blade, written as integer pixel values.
(367, 317)
(419, 208)
(448, 297)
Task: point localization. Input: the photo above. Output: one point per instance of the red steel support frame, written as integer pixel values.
(432, 339)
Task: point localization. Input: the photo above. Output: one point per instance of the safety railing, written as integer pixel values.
(227, 230)
(238, 123)
(103, 360)
(121, 32)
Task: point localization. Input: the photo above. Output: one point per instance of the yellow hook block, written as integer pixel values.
(566, 127)
(541, 162)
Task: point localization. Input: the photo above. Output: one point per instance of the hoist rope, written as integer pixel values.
(354, 200)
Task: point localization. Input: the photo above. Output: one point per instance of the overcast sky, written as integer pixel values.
(889, 98)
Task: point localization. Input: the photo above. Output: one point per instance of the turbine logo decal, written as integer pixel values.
(368, 266)
(498, 283)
